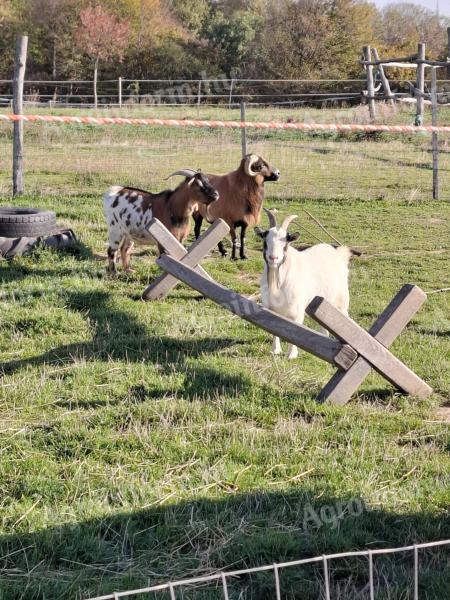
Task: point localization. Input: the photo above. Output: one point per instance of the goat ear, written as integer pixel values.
(260, 232)
(291, 237)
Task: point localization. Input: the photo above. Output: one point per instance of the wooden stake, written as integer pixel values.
(420, 84)
(19, 77)
(370, 84)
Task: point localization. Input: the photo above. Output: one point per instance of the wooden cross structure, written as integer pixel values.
(355, 352)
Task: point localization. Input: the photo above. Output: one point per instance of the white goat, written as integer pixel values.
(292, 278)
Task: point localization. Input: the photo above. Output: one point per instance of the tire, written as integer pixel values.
(26, 222)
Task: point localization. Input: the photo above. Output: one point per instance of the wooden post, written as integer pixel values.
(434, 135)
(19, 77)
(231, 93)
(95, 83)
(120, 92)
(243, 131)
(370, 84)
(420, 84)
(199, 97)
(384, 79)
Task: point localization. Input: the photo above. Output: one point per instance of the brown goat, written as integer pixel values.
(241, 197)
(128, 212)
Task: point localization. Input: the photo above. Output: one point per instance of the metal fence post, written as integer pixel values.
(243, 130)
(120, 92)
(19, 76)
(434, 135)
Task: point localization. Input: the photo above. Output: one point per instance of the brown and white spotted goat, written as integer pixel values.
(128, 212)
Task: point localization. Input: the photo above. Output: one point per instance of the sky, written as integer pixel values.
(444, 5)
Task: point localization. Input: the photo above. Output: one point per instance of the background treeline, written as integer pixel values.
(184, 38)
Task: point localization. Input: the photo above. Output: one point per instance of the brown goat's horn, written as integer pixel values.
(249, 164)
(184, 173)
(287, 221)
(271, 216)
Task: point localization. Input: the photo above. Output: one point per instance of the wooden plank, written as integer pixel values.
(19, 77)
(386, 329)
(301, 336)
(383, 361)
(161, 286)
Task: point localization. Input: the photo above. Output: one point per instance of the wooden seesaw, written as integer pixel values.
(355, 351)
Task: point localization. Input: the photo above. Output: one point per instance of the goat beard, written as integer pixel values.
(273, 278)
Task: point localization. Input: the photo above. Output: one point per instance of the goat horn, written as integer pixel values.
(184, 173)
(249, 164)
(271, 216)
(287, 221)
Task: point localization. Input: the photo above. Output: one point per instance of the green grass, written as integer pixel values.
(143, 442)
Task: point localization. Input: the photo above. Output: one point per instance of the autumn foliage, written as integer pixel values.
(183, 38)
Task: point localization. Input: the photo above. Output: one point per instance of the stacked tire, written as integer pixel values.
(26, 222)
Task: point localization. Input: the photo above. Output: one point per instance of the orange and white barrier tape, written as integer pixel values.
(225, 124)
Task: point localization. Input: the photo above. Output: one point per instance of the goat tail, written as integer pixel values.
(345, 253)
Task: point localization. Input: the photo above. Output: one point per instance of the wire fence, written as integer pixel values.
(205, 91)
(221, 584)
(337, 165)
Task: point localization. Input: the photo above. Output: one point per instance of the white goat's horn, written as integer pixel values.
(287, 221)
(184, 173)
(249, 164)
(271, 216)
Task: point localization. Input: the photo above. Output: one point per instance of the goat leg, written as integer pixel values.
(233, 243)
(198, 219)
(242, 248)
(112, 259)
(222, 249)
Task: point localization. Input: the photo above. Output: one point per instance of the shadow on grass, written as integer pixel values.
(119, 336)
(131, 550)
(14, 271)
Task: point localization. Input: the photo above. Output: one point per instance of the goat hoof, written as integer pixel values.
(129, 270)
(244, 257)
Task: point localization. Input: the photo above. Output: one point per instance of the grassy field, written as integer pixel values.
(142, 442)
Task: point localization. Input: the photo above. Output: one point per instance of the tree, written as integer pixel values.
(404, 25)
(102, 37)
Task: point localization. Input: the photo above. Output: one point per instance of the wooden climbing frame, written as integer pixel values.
(355, 352)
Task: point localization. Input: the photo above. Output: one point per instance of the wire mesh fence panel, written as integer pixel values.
(407, 573)
(76, 159)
